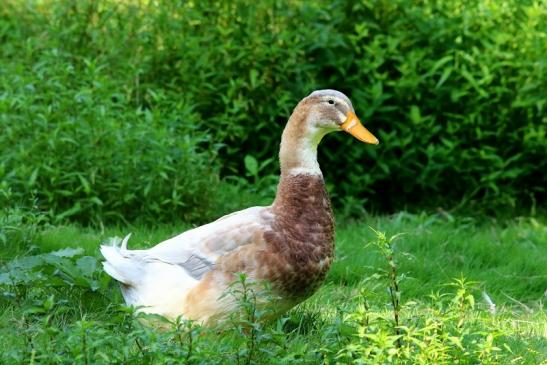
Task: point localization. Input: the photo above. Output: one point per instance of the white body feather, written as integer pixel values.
(158, 279)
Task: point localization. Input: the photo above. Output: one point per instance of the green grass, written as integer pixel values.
(65, 309)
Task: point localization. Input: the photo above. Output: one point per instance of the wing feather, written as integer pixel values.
(198, 249)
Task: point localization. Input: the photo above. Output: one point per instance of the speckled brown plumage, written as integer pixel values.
(297, 248)
(300, 243)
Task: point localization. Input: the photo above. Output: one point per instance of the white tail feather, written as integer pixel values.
(151, 284)
(121, 264)
(124, 242)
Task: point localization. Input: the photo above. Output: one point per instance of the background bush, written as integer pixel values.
(117, 110)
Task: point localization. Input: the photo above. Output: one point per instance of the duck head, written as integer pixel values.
(331, 110)
(320, 113)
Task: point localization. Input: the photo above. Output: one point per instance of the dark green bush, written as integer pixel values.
(112, 110)
(457, 90)
(72, 140)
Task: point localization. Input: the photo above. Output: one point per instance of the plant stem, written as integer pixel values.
(190, 344)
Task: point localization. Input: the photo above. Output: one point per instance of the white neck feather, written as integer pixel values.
(298, 154)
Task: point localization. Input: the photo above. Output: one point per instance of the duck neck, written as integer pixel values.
(298, 152)
(298, 159)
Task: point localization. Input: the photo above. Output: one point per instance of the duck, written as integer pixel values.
(288, 246)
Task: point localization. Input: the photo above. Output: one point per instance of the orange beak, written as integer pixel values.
(353, 126)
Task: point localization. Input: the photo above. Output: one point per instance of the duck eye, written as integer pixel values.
(331, 101)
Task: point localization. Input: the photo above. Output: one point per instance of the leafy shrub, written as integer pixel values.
(449, 85)
(72, 140)
(113, 110)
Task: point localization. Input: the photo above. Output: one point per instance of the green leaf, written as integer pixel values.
(415, 116)
(69, 212)
(253, 75)
(68, 252)
(33, 176)
(441, 63)
(85, 183)
(445, 75)
(87, 264)
(251, 165)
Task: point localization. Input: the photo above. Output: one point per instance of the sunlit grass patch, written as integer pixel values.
(55, 296)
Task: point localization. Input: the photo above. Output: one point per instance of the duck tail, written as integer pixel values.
(120, 262)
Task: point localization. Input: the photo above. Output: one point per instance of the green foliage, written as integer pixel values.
(60, 307)
(434, 249)
(385, 245)
(447, 330)
(79, 147)
(457, 92)
(115, 110)
(18, 228)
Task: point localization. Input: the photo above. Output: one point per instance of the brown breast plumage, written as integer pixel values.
(300, 244)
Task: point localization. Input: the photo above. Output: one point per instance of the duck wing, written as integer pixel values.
(198, 249)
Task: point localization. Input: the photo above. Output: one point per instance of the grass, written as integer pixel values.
(64, 309)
